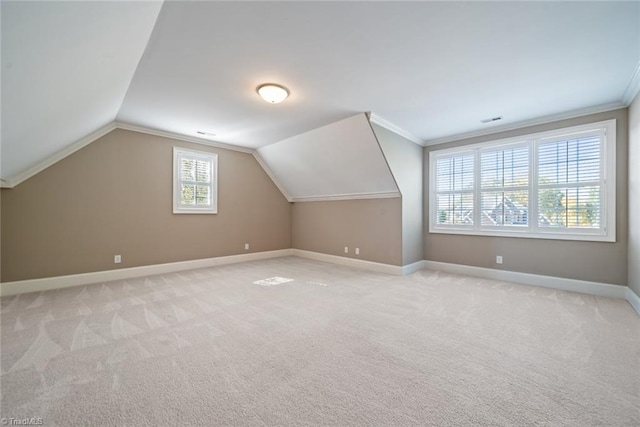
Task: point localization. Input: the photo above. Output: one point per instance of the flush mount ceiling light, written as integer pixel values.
(273, 93)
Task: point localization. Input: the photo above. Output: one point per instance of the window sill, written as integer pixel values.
(585, 237)
(194, 211)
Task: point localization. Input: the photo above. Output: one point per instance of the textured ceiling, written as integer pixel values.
(434, 69)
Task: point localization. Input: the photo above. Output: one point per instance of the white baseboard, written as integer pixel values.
(634, 300)
(573, 285)
(396, 270)
(412, 268)
(581, 286)
(36, 285)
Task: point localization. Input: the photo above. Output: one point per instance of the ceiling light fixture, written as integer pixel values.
(273, 93)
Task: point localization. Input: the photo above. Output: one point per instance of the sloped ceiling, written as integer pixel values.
(340, 160)
(433, 69)
(66, 67)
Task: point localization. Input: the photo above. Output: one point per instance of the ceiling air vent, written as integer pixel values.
(199, 132)
(492, 119)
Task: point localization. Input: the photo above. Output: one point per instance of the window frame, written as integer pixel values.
(212, 158)
(607, 230)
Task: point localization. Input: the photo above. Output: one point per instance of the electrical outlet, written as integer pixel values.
(117, 259)
(346, 249)
(357, 251)
(499, 259)
(246, 246)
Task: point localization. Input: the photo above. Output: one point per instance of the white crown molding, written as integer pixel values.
(352, 196)
(380, 121)
(633, 87)
(55, 158)
(196, 140)
(45, 284)
(202, 141)
(179, 137)
(11, 182)
(634, 300)
(395, 270)
(269, 172)
(526, 123)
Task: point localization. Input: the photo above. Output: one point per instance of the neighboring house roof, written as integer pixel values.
(507, 208)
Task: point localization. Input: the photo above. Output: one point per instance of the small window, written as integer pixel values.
(195, 186)
(553, 185)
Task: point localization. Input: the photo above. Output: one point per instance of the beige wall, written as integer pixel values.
(634, 196)
(373, 225)
(405, 160)
(0, 236)
(592, 261)
(115, 197)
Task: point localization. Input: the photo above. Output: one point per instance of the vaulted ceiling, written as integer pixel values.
(433, 69)
(66, 67)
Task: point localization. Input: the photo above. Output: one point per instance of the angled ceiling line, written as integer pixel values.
(269, 172)
(339, 161)
(164, 43)
(12, 181)
(146, 46)
(381, 121)
(384, 155)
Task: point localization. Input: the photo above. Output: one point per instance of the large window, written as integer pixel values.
(551, 185)
(194, 182)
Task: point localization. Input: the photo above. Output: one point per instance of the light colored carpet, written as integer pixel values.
(332, 346)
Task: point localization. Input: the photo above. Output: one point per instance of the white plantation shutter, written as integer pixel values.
(195, 186)
(454, 184)
(570, 182)
(504, 180)
(558, 184)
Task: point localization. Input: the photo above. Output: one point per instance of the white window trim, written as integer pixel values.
(608, 196)
(210, 157)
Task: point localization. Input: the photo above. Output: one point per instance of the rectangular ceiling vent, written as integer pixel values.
(199, 132)
(492, 119)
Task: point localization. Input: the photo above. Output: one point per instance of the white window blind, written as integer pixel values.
(504, 186)
(454, 199)
(570, 182)
(558, 184)
(195, 186)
